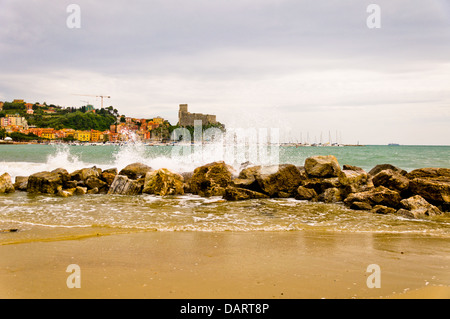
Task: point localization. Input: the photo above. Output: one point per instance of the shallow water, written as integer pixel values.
(118, 213)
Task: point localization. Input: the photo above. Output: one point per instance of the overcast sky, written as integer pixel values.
(306, 67)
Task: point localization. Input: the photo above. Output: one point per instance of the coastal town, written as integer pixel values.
(21, 121)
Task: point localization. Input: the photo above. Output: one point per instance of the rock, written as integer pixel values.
(377, 196)
(322, 166)
(211, 179)
(279, 180)
(135, 170)
(304, 193)
(108, 177)
(380, 209)
(351, 168)
(163, 182)
(21, 183)
(93, 190)
(84, 173)
(66, 192)
(354, 181)
(434, 190)
(417, 207)
(110, 171)
(6, 185)
(80, 190)
(236, 193)
(321, 184)
(378, 168)
(331, 195)
(95, 182)
(429, 172)
(247, 178)
(360, 205)
(122, 185)
(44, 182)
(391, 179)
(71, 184)
(63, 173)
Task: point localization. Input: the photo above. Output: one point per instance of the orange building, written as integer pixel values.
(96, 136)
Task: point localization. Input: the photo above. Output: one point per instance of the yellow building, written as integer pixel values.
(48, 133)
(82, 136)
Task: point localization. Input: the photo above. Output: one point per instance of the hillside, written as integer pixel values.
(58, 118)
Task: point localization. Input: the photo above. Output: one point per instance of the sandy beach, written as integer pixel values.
(251, 265)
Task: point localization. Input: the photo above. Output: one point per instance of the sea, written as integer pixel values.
(37, 215)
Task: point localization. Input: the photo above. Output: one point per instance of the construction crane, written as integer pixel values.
(100, 96)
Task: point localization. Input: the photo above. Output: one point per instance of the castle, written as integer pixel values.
(187, 119)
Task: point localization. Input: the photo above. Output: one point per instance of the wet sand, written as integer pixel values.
(251, 265)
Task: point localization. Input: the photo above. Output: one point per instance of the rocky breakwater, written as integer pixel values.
(385, 189)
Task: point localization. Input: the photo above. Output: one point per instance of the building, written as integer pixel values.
(14, 120)
(185, 118)
(90, 108)
(48, 133)
(29, 107)
(96, 136)
(82, 136)
(1, 106)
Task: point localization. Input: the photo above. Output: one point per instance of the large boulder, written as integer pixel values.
(95, 182)
(304, 193)
(429, 172)
(322, 166)
(122, 185)
(279, 180)
(84, 173)
(163, 182)
(391, 179)
(63, 173)
(248, 177)
(108, 176)
(378, 168)
(434, 190)
(135, 170)
(377, 196)
(354, 180)
(44, 182)
(417, 207)
(236, 193)
(6, 185)
(211, 179)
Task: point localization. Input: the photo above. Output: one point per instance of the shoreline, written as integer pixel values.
(272, 265)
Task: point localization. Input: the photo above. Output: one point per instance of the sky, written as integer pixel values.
(307, 67)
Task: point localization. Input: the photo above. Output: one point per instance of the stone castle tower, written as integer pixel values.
(187, 119)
